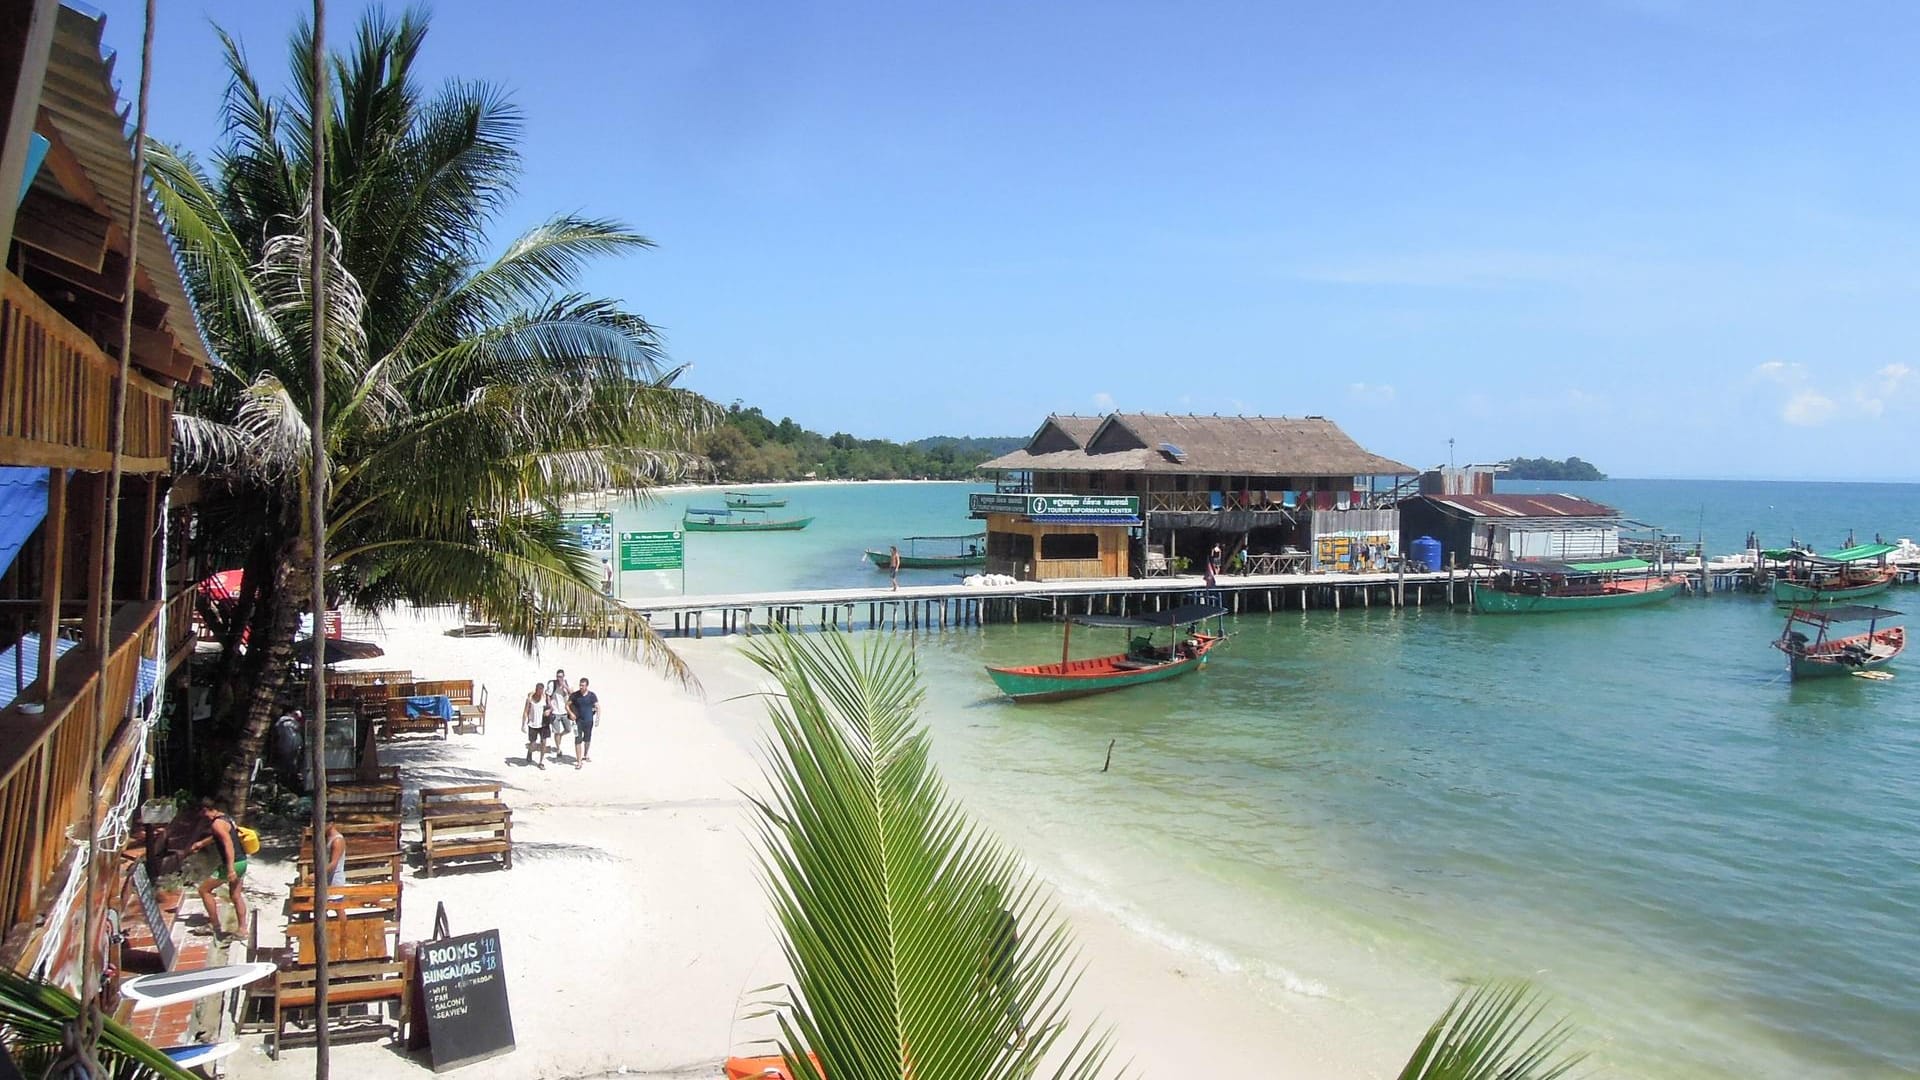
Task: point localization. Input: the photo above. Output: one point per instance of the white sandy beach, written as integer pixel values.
(633, 924)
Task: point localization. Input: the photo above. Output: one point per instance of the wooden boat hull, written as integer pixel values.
(1794, 592)
(1080, 678)
(929, 562)
(755, 504)
(714, 525)
(1491, 601)
(1869, 652)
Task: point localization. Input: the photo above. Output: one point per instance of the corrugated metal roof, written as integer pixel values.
(84, 109)
(1523, 506)
(1209, 445)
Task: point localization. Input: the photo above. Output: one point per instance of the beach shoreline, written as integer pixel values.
(652, 840)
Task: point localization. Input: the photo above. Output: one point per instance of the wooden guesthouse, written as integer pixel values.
(66, 183)
(1503, 528)
(1132, 494)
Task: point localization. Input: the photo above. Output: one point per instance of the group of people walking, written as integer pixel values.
(554, 709)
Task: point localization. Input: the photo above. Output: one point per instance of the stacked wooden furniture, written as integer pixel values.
(373, 856)
(364, 969)
(469, 707)
(365, 802)
(465, 822)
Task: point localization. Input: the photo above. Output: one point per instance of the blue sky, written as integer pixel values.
(1675, 238)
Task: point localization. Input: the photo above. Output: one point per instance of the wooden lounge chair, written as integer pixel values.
(398, 723)
(465, 822)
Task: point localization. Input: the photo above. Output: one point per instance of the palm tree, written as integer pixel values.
(33, 1015)
(467, 397)
(891, 905)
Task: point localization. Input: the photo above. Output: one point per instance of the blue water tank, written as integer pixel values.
(1426, 553)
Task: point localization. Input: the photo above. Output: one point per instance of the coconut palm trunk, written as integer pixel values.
(281, 601)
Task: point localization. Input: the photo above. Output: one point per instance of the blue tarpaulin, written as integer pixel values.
(37, 147)
(23, 503)
(27, 655)
(435, 705)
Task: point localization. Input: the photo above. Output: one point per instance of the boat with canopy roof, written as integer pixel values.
(753, 500)
(969, 549)
(1533, 586)
(1838, 577)
(1810, 655)
(1143, 662)
(727, 519)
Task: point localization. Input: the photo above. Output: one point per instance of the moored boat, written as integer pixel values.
(1143, 662)
(1815, 655)
(1838, 577)
(970, 550)
(1594, 585)
(748, 500)
(712, 519)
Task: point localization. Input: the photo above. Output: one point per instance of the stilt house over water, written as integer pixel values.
(66, 181)
(1503, 528)
(1135, 494)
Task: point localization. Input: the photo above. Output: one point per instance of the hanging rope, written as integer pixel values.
(80, 1044)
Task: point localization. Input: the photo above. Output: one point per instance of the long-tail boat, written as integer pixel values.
(1143, 662)
(1836, 577)
(723, 519)
(971, 550)
(748, 500)
(1816, 655)
(1591, 585)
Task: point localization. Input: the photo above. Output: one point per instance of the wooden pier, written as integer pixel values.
(940, 607)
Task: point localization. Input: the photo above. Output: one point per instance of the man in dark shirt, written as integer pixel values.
(586, 710)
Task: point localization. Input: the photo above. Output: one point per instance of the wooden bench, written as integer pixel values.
(364, 801)
(465, 822)
(469, 708)
(374, 854)
(373, 982)
(336, 677)
(398, 723)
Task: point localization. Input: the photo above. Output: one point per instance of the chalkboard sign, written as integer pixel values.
(150, 907)
(464, 981)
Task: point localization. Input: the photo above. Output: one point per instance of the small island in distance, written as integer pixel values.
(1531, 468)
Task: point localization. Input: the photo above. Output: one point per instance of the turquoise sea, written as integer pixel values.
(1715, 871)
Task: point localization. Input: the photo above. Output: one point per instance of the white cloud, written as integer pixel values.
(1376, 393)
(1808, 408)
(1103, 401)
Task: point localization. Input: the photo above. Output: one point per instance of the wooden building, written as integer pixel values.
(66, 180)
(1170, 488)
(1502, 528)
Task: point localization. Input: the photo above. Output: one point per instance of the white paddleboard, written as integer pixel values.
(194, 1055)
(152, 991)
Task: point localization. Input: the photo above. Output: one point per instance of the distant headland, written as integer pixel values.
(751, 447)
(1539, 468)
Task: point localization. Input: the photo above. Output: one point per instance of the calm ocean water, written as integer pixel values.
(1716, 871)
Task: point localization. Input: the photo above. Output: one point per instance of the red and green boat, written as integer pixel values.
(1531, 587)
(1839, 577)
(1143, 662)
(1816, 654)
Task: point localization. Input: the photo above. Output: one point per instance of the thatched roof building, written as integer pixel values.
(1170, 445)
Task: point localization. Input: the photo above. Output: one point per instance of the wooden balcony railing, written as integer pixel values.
(45, 758)
(56, 393)
(182, 624)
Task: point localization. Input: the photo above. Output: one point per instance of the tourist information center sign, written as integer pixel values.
(652, 551)
(465, 984)
(1105, 509)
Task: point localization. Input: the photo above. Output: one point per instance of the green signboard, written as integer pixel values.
(652, 551)
(1056, 506)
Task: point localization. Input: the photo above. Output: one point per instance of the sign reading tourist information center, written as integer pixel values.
(652, 551)
(1105, 509)
(465, 985)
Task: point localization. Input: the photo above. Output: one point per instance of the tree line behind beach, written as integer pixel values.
(749, 447)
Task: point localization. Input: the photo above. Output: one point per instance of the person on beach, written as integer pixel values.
(560, 709)
(336, 855)
(586, 709)
(1213, 567)
(606, 578)
(893, 565)
(221, 862)
(535, 718)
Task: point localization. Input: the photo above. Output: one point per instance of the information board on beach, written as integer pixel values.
(593, 530)
(1056, 506)
(464, 982)
(652, 551)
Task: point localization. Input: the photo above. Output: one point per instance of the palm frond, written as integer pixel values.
(893, 903)
(32, 1014)
(1488, 1034)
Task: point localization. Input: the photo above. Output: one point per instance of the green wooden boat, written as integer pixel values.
(971, 550)
(1856, 654)
(747, 500)
(1526, 588)
(1834, 578)
(1142, 663)
(697, 519)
